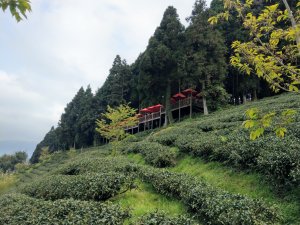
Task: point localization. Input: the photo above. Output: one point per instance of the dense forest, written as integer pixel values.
(177, 57)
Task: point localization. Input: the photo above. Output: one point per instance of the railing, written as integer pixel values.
(182, 103)
(157, 115)
(150, 117)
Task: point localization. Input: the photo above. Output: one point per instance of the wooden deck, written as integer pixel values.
(150, 118)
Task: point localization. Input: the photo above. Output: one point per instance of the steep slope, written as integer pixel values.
(200, 171)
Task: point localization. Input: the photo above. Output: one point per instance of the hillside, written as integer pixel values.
(203, 170)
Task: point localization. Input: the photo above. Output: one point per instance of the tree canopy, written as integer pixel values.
(18, 8)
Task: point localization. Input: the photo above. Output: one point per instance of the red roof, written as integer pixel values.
(190, 91)
(152, 109)
(145, 110)
(173, 100)
(155, 108)
(179, 96)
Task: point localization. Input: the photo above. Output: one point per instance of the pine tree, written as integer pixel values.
(160, 63)
(206, 56)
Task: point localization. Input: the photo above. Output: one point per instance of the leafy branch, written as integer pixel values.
(257, 122)
(18, 8)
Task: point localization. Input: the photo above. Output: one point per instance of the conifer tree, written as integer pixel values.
(160, 63)
(206, 56)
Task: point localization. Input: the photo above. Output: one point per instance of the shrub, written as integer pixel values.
(19, 209)
(96, 165)
(201, 145)
(154, 153)
(82, 187)
(280, 161)
(160, 218)
(167, 136)
(211, 204)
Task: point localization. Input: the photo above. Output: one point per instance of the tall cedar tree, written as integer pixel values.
(160, 63)
(116, 89)
(206, 56)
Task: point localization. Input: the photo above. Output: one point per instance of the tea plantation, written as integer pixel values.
(203, 170)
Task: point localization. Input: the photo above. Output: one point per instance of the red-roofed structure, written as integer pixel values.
(189, 92)
(153, 116)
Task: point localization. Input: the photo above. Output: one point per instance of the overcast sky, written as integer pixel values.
(66, 44)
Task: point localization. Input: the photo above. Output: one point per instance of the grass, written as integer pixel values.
(6, 182)
(249, 184)
(144, 199)
(238, 182)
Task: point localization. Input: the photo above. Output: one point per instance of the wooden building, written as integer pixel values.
(182, 104)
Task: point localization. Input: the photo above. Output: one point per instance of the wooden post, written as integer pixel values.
(191, 107)
(179, 109)
(152, 121)
(160, 118)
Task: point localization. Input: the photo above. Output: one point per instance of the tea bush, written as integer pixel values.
(167, 136)
(213, 205)
(281, 161)
(19, 209)
(89, 186)
(96, 165)
(154, 153)
(202, 145)
(160, 218)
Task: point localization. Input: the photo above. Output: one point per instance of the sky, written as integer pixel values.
(63, 45)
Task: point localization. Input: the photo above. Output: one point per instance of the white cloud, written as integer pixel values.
(66, 44)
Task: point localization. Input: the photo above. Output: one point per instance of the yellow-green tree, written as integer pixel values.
(18, 8)
(272, 54)
(114, 122)
(274, 48)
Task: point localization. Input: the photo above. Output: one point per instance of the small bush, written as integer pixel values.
(82, 187)
(19, 209)
(167, 136)
(154, 153)
(202, 145)
(96, 165)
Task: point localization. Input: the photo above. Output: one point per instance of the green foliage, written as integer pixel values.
(273, 49)
(166, 136)
(201, 145)
(257, 123)
(115, 121)
(205, 58)
(9, 162)
(116, 89)
(19, 209)
(96, 165)
(6, 181)
(144, 200)
(210, 204)
(160, 218)
(98, 187)
(18, 8)
(160, 64)
(154, 153)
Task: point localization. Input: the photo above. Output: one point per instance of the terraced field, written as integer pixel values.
(203, 170)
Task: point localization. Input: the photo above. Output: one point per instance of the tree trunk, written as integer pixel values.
(294, 24)
(244, 98)
(254, 95)
(205, 109)
(168, 116)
